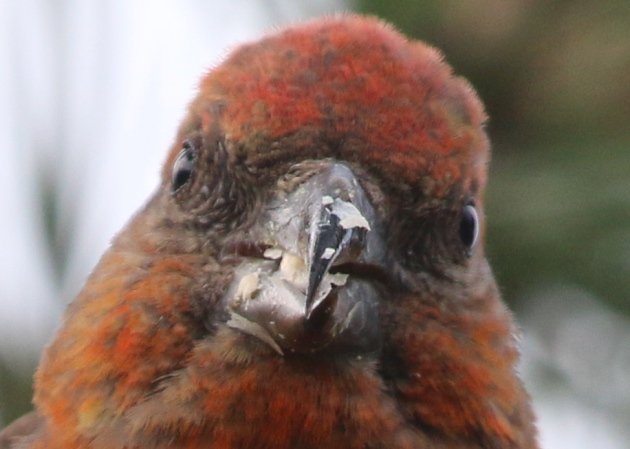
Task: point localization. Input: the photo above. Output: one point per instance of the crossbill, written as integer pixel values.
(310, 272)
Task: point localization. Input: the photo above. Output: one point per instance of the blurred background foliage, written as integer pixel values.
(555, 78)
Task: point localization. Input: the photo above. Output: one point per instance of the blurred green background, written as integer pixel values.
(555, 78)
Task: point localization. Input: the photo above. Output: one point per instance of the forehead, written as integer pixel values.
(354, 88)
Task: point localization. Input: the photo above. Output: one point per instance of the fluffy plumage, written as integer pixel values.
(157, 351)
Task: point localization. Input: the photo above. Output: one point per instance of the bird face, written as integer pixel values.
(308, 274)
(327, 185)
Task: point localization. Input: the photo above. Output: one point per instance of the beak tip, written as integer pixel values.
(309, 303)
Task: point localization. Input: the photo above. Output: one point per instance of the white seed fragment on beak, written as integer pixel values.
(338, 279)
(328, 253)
(293, 270)
(273, 253)
(329, 281)
(241, 323)
(349, 215)
(326, 200)
(248, 287)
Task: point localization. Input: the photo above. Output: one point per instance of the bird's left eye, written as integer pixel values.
(183, 166)
(469, 226)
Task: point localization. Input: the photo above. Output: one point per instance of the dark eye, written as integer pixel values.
(183, 166)
(469, 226)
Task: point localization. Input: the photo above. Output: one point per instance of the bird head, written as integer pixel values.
(317, 231)
(325, 161)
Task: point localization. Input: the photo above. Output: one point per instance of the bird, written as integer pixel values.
(309, 273)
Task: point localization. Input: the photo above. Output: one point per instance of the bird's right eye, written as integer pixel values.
(183, 166)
